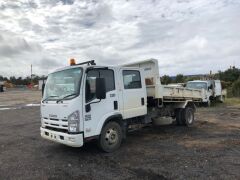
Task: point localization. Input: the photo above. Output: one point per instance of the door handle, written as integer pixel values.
(142, 101)
(115, 105)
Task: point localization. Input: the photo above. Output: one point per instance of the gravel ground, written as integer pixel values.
(209, 150)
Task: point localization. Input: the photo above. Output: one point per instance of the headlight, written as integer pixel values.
(73, 122)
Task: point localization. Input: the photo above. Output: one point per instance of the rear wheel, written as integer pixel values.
(188, 116)
(111, 137)
(179, 116)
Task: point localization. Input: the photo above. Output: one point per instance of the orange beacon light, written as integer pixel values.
(72, 62)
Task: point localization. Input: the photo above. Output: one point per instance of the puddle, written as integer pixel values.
(32, 105)
(4, 107)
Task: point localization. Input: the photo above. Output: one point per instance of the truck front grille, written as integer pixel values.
(57, 129)
(56, 124)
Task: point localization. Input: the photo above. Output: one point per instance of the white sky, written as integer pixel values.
(186, 36)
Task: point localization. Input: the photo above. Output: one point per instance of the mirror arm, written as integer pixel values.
(43, 87)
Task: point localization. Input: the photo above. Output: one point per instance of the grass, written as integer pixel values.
(232, 101)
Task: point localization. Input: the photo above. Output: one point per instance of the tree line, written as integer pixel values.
(22, 81)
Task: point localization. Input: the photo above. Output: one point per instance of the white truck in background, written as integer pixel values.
(84, 102)
(212, 90)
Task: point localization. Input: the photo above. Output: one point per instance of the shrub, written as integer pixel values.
(236, 88)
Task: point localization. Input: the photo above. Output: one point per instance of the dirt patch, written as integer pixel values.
(208, 150)
(211, 143)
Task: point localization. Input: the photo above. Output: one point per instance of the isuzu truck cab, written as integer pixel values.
(84, 101)
(212, 90)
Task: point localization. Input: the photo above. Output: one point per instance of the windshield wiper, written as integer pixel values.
(66, 97)
(48, 98)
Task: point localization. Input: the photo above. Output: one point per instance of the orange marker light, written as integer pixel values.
(72, 62)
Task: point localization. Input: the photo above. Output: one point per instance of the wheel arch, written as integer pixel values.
(184, 104)
(114, 117)
(192, 105)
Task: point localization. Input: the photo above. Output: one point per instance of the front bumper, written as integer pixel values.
(74, 140)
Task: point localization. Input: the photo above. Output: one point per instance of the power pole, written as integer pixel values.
(31, 74)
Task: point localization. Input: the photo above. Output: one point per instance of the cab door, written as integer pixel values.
(134, 93)
(96, 111)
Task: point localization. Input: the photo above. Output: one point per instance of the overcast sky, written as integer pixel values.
(186, 36)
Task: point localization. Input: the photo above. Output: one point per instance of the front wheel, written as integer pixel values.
(208, 103)
(111, 137)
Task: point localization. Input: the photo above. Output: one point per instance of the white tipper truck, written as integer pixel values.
(212, 90)
(83, 101)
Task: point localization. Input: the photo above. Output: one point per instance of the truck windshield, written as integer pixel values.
(63, 84)
(197, 85)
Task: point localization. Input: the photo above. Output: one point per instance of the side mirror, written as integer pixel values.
(100, 88)
(43, 87)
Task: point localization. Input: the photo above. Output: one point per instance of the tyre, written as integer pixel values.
(111, 137)
(188, 116)
(179, 116)
(208, 103)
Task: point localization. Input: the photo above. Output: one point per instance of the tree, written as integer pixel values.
(230, 75)
(180, 78)
(236, 88)
(1, 78)
(13, 79)
(166, 79)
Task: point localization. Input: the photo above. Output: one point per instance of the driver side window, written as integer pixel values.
(92, 75)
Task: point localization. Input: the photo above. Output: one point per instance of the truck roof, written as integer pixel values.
(150, 63)
(76, 66)
(198, 81)
(206, 81)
